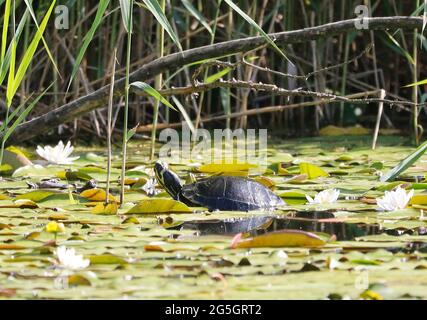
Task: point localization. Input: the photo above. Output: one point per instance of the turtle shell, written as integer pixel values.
(229, 193)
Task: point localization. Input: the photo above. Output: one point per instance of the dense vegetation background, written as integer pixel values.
(394, 61)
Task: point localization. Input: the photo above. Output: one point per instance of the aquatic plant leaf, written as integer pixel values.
(32, 235)
(344, 158)
(74, 175)
(7, 293)
(136, 183)
(225, 167)
(371, 295)
(15, 160)
(394, 184)
(283, 238)
(265, 181)
(154, 206)
(334, 131)
(23, 204)
(293, 197)
(11, 246)
(37, 195)
(106, 259)
(105, 208)
(278, 168)
(131, 219)
(97, 195)
(78, 280)
(312, 171)
(35, 170)
(419, 199)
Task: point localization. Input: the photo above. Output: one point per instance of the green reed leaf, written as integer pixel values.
(405, 163)
(29, 53)
(102, 7)
(157, 12)
(152, 92)
(257, 27)
(195, 13)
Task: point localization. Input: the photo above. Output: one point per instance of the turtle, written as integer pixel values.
(224, 193)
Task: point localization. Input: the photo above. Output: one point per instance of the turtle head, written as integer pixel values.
(168, 179)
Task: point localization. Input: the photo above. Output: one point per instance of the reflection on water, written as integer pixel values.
(312, 221)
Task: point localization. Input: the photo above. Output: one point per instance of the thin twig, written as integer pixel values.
(271, 88)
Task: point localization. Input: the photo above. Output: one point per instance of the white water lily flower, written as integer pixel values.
(394, 200)
(68, 259)
(59, 154)
(150, 187)
(325, 196)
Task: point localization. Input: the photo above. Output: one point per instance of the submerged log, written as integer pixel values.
(98, 98)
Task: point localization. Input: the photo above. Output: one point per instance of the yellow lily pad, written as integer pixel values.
(282, 238)
(267, 182)
(96, 194)
(37, 195)
(225, 167)
(419, 199)
(105, 208)
(153, 206)
(312, 171)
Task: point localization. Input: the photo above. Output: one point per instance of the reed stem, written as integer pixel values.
(415, 88)
(109, 128)
(126, 111)
(158, 80)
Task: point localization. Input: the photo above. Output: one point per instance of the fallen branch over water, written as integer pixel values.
(98, 98)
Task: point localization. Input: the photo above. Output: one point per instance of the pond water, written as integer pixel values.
(368, 253)
(310, 221)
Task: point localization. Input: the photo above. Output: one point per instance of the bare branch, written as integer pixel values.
(271, 88)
